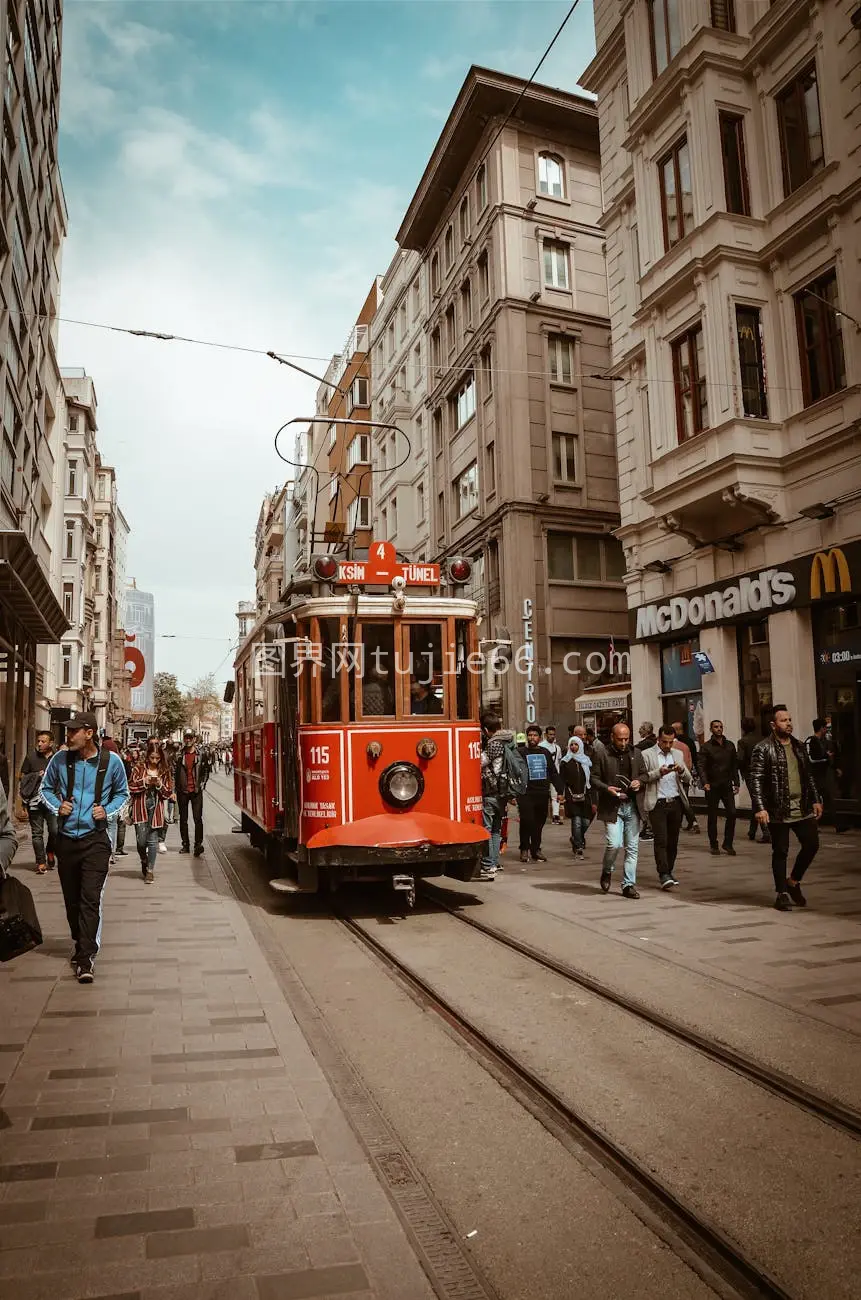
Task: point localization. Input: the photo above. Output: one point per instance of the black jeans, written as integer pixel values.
(195, 802)
(533, 815)
(82, 865)
(40, 818)
(807, 834)
(666, 818)
(715, 795)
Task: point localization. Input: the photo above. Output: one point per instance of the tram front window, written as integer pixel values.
(330, 678)
(378, 670)
(426, 669)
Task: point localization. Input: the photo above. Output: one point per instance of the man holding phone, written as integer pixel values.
(666, 783)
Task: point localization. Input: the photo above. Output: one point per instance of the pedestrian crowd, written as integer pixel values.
(81, 797)
(642, 791)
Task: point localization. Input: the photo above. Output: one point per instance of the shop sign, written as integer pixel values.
(832, 571)
(840, 656)
(702, 661)
(529, 648)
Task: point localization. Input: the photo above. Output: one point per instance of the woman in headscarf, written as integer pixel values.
(577, 777)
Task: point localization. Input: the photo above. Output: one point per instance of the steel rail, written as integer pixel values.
(721, 1256)
(774, 1081)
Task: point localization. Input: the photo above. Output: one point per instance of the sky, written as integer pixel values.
(236, 171)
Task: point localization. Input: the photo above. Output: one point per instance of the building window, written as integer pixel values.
(333, 436)
(67, 665)
(555, 265)
(465, 401)
(437, 431)
(402, 379)
(734, 164)
(636, 270)
(664, 32)
(393, 516)
(402, 320)
(580, 557)
(723, 15)
(359, 392)
(448, 248)
(72, 479)
(100, 533)
(97, 583)
(97, 675)
(483, 277)
(69, 601)
(820, 342)
(801, 150)
(689, 377)
(490, 462)
(359, 450)
(435, 273)
(103, 487)
(565, 457)
(420, 503)
(450, 330)
(97, 627)
(466, 304)
(333, 487)
(677, 197)
(440, 514)
(551, 176)
(390, 341)
(463, 219)
(466, 491)
(481, 188)
(417, 365)
(435, 349)
(69, 545)
(561, 359)
(359, 514)
(486, 363)
(754, 673)
(751, 361)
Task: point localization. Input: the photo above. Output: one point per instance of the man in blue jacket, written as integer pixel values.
(84, 787)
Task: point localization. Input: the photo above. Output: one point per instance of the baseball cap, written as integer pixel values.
(78, 720)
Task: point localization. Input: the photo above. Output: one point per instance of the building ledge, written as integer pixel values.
(25, 589)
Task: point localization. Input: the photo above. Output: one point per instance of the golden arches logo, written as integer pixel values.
(830, 570)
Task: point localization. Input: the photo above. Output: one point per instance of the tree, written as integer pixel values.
(201, 702)
(170, 709)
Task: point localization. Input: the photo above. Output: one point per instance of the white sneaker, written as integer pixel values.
(162, 847)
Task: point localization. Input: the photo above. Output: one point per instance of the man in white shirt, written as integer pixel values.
(666, 800)
(553, 747)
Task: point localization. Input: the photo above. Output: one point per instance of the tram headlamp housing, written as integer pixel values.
(426, 748)
(402, 785)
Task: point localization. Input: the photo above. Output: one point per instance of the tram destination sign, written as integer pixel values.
(382, 566)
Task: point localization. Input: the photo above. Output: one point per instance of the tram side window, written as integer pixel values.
(462, 667)
(378, 670)
(427, 694)
(330, 683)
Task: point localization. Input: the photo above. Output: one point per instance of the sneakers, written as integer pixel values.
(538, 857)
(122, 853)
(149, 877)
(52, 862)
(795, 894)
(198, 852)
(84, 971)
(729, 851)
(486, 875)
(579, 853)
(714, 851)
(524, 857)
(783, 902)
(667, 882)
(695, 829)
(630, 891)
(185, 849)
(646, 835)
(606, 880)
(557, 821)
(162, 847)
(74, 959)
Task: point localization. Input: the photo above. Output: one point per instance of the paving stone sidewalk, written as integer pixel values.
(166, 1134)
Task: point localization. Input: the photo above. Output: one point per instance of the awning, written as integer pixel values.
(25, 589)
(594, 703)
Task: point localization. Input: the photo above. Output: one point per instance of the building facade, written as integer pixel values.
(519, 418)
(269, 549)
(731, 138)
(33, 219)
(401, 494)
(111, 689)
(346, 479)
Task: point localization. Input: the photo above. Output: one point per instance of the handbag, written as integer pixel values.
(19, 925)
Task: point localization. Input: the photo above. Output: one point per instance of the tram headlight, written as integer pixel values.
(402, 784)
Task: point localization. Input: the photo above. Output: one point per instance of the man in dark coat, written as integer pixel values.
(785, 799)
(719, 774)
(190, 777)
(617, 775)
(40, 816)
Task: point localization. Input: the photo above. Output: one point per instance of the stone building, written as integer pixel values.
(399, 456)
(34, 225)
(730, 145)
(518, 416)
(111, 689)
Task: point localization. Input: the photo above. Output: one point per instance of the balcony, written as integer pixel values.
(87, 674)
(89, 609)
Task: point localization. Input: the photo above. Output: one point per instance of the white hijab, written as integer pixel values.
(577, 752)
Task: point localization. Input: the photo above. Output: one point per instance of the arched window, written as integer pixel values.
(551, 176)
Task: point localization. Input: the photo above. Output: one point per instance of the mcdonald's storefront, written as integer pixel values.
(788, 632)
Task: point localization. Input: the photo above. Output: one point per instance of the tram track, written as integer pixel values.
(703, 1244)
(780, 1085)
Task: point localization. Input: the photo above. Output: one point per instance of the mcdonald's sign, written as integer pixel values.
(829, 573)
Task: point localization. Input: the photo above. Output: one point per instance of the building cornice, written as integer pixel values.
(628, 194)
(485, 96)
(611, 54)
(653, 108)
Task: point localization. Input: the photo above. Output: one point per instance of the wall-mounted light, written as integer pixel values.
(818, 510)
(533, 297)
(658, 566)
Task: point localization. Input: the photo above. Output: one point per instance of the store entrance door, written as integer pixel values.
(842, 699)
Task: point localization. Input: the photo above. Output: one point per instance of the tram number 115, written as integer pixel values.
(319, 754)
(475, 749)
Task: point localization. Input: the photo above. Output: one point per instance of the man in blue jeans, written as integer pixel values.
(617, 775)
(84, 788)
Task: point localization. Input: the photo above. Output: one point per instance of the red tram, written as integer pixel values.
(356, 742)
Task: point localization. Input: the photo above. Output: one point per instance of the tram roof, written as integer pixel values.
(415, 606)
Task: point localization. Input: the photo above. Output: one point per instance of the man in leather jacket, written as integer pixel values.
(785, 799)
(191, 774)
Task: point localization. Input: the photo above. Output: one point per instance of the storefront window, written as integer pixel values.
(681, 685)
(754, 673)
(837, 654)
